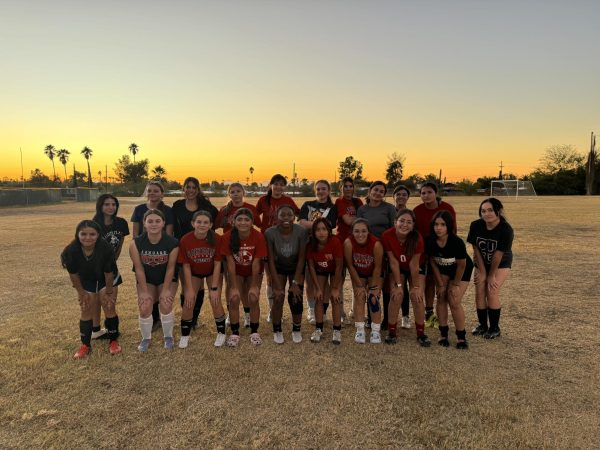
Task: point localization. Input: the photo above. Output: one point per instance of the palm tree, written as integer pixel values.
(63, 157)
(87, 154)
(50, 152)
(251, 172)
(133, 148)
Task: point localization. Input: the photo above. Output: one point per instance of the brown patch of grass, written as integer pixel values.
(533, 388)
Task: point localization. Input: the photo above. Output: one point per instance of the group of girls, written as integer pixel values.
(390, 253)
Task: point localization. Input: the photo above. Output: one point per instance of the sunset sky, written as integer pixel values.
(210, 88)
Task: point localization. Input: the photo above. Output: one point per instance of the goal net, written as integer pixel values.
(512, 188)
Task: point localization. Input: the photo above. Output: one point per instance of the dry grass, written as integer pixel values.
(536, 387)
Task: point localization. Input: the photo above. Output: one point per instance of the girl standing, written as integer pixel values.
(154, 255)
(491, 237)
(90, 261)
(401, 196)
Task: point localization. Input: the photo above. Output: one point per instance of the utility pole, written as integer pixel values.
(501, 175)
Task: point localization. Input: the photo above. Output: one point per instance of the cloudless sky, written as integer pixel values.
(210, 88)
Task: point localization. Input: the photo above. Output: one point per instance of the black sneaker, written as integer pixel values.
(384, 326)
(462, 345)
(389, 339)
(444, 342)
(492, 333)
(423, 340)
(479, 330)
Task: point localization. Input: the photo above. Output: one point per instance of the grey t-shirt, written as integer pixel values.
(380, 218)
(286, 249)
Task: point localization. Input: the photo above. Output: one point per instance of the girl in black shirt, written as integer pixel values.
(90, 261)
(452, 269)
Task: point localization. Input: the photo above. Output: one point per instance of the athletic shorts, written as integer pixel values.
(422, 271)
(285, 272)
(466, 275)
(95, 286)
(197, 275)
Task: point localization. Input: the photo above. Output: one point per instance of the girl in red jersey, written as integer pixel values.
(424, 214)
(325, 258)
(224, 219)
(267, 207)
(401, 196)
(245, 248)
(363, 254)
(200, 259)
(405, 249)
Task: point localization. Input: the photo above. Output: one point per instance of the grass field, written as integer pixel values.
(535, 387)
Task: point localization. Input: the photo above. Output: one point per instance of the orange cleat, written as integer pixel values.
(83, 351)
(114, 348)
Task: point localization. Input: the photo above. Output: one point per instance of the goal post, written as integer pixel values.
(512, 188)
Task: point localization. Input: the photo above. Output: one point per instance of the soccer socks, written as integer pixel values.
(461, 335)
(254, 327)
(220, 322)
(198, 305)
(482, 317)
(494, 318)
(146, 327)
(112, 327)
(167, 324)
(186, 327)
(375, 327)
(296, 326)
(444, 331)
(235, 328)
(277, 327)
(360, 326)
(85, 331)
(391, 329)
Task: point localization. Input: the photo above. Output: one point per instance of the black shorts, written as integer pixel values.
(466, 275)
(196, 275)
(422, 271)
(285, 272)
(95, 286)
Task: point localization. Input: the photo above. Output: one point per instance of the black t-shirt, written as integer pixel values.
(313, 209)
(183, 216)
(488, 241)
(446, 257)
(140, 210)
(92, 268)
(115, 233)
(155, 257)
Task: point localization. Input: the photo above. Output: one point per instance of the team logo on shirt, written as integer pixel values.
(201, 254)
(153, 258)
(285, 249)
(328, 259)
(245, 256)
(487, 247)
(362, 261)
(314, 213)
(444, 262)
(113, 238)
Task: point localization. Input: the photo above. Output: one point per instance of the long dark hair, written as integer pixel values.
(326, 183)
(99, 217)
(200, 196)
(227, 208)
(497, 206)
(355, 201)
(234, 243)
(210, 235)
(448, 220)
(371, 186)
(274, 179)
(314, 242)
(69, 255)
(412, 239)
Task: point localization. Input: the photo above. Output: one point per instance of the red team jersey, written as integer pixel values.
(199, 254)
(344, 207)
(424, 216)
(269, 211)
(228, 225)
(363, 256)
(392, 244)
(325, 259)
(251, 248)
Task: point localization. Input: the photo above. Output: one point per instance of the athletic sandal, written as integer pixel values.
(255, 339)
(479, 330)
(444, 342)
(184, 341)
(144, 344)
(114, 348)
(233, 340)
(375, 337)
(423, 340)
(220, 340)
(83, 351)
(462, 345)
(492, 334)
(169, 343)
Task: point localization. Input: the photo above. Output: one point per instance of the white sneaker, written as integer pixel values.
(311, 316)
(359, 337)
(406, 322)
(246, 320)
(316, 336)
(227, 321)
(269, 317)
(296, 337)
(278, 337)
(337, 337)
(220, 340)
(184, 341)
(99, 334)
(375, 337)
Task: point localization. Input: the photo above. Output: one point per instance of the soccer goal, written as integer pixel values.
(512, 188)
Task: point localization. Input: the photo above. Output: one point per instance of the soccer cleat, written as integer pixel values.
(310, 316)
(184, 341)
(255, 339)
(220, 340)
(375, 337)
(246, 320)
(114, 348)
(83, 351)
(144, 344)
(278, 337)
(492, 333)
(169, 344)
(359, 337)
(479, 330)
(423, 340)
(337, 337)
(316, 336)
(435, 323)
(462, 345)
(431, 321)
(391, 339)
(296, 337)
(233, 340)
(99, 334)
(406, 323)
(444, 342)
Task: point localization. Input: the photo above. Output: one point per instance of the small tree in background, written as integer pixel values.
(395, 168)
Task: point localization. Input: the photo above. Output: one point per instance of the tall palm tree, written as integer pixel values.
(251, 173)
(87, 154)
(133, 148)
(63, 157)
(50, 152)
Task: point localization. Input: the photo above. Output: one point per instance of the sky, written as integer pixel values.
(212, 88)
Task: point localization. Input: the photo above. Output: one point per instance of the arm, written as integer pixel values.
(480, 274)
(496, 259)
(82, 295)
(109, 280)
(313, 275)
(136, 229)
